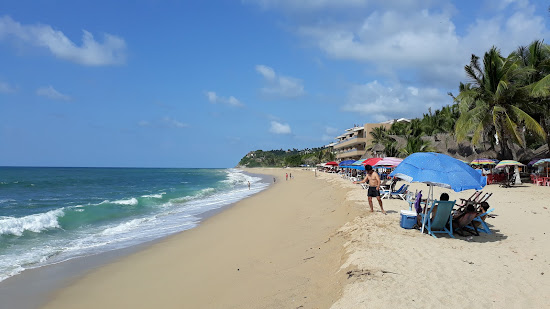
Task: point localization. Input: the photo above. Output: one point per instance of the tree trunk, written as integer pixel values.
(505, 151)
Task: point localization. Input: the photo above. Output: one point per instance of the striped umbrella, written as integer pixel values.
(372, 161)
(483, 162)
(389, 162)
(543, 162)
(504, 163)
(358, 162)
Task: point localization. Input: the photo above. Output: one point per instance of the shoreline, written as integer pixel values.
(279, 261)
(313, 243)
(32, 287)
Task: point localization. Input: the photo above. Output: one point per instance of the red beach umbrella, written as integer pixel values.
(372, 161)
(332, 163)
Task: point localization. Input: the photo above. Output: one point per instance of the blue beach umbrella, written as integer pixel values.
(439, 170)
(436, 169)
(346, 162)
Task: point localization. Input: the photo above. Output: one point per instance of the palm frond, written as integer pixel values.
(530, 123)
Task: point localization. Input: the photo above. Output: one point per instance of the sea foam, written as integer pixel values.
(34, 223)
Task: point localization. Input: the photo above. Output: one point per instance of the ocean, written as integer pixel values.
(50, 215)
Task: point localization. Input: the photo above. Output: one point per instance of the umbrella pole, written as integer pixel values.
(430, 196)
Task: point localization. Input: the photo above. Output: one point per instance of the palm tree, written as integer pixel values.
(415, 144)
(536, 59)
(489, 103)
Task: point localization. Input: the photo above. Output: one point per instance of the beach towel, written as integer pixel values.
(417, 206)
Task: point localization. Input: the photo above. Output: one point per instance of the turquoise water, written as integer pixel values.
(49, 215)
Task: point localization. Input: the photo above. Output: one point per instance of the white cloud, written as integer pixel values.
(92, 53)
(385, 103)
(267, 72)
(144, 123)
(419, 38)
(7, 88)
(278, 85)
(172, 123)
(279, 128)
(231, 101)
(50, 92)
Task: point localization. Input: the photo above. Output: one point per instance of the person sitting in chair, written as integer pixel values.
(483, 207)
(442, 197)
(461, 219)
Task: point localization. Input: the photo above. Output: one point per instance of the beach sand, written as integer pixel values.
(311, 242)
(277, 249)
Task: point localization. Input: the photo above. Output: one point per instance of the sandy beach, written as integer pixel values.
(277, 249)
(312, 242)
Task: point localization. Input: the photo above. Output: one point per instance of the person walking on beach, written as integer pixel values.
(374, 187)
(249, 185)
(286, 176)
(290, 176)
(273, 179)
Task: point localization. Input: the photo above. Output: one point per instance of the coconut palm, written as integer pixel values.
(415, 144)
(489, 103)
(536, 59)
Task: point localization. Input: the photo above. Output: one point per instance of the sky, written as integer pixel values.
(152, 83)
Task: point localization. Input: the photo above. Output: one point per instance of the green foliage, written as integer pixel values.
(491, 103)
(281, 158)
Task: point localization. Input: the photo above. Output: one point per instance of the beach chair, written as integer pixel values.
(484, 198)
(364, 186)
(401, 193)
(482, 225)
(387, 193)
(473, 198)
(442, 217)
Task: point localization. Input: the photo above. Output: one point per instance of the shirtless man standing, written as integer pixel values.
(374, 187)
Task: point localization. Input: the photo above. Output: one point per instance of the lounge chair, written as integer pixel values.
(389, 193)
(482, 225)
(442, 217)
(473, 198)
(464, 219)
(401, 193)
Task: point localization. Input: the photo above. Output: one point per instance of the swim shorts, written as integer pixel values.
(373, 192)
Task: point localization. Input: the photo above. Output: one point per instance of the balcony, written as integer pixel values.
(350, 154)
(350, 142)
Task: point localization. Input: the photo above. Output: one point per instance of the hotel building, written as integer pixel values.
(353, 144)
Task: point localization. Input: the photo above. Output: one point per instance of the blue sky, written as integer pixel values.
(200, 83)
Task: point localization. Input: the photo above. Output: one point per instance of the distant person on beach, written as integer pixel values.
(286, 176)
(374, 187)
(249, 185)
(290, 175)
(273, 179)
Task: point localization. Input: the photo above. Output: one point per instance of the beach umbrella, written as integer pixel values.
(371, 161)
(358, 162)
(543, 162)
(389, 162)
(346, 162)
(436, 169)
(332, 163)
(535, 160)
(483, 162)
(505, 163)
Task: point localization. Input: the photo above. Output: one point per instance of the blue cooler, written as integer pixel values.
(408, 219)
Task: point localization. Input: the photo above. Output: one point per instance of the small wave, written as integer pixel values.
(34, 223)
(124, 227)
(6, 201)
(154, 195)
(238, 177)
(200, 194)
(133, 201)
